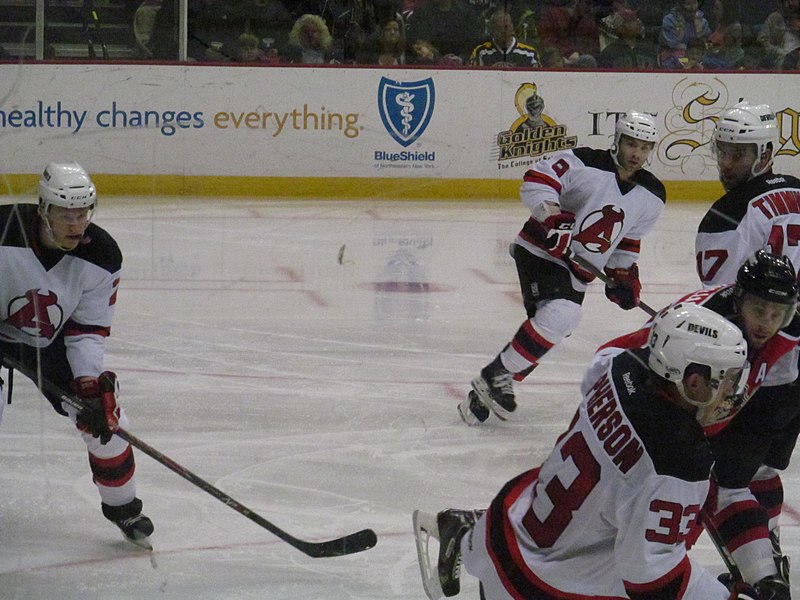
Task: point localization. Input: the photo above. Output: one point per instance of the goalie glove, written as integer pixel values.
(552, 228)
(626, 288)
(100, 415)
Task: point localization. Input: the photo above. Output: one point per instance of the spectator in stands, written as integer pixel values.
(503, 49)
(388, 46)
(551, 58)
(451, 25)
(609, 24)
(695, 51)
(271, 20)
(626, 50)
(214, 26)
(683, 23)
(570, 26)
(424, 53)
(309, 42)
(247, 49)
(725, 50)
(780, 33)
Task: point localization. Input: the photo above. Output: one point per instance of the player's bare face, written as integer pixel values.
(761, 319)
(735, 163)
(632, 154)
(67, 225)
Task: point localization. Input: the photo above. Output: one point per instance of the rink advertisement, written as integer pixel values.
(370, 131)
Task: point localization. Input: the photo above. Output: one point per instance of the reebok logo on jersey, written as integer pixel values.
(627, 380)
(702, 330)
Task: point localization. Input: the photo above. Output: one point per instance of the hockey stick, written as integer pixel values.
(570, 255)
(716, 539)
(348, 544)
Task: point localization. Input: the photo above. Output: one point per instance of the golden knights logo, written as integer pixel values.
(533, 133)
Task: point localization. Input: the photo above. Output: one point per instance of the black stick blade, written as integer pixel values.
(349, 544)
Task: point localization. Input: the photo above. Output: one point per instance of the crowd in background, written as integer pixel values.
(582, 34)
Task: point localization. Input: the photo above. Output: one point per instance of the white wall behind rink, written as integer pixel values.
(243, 125)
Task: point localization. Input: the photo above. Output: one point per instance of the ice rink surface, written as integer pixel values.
(306, 358)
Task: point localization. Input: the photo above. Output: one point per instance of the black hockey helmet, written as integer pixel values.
(769, 277)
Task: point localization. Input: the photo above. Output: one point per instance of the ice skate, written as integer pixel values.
(494, 388)
(135, 526)
(472, 410)
(442, 578)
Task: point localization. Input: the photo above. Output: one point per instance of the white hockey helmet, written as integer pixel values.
(637, 125)
(66, 185)
(687, 334)
(747, 123)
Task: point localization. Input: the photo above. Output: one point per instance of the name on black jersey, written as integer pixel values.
(619, 442)
(703, 330)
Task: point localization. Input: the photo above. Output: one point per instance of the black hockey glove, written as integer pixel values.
(627, 287)
(100, 417)
(773, 587)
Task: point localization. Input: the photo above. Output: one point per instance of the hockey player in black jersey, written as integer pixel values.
(607, 513)
(596, 205)
(60, 273)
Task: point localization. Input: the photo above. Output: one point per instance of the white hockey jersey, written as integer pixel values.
(764, 214)
(606, 515)
(46, 291)
(611, 216)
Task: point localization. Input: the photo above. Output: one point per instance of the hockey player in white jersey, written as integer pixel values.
(607, 513)
(596, 205)
(60, 273)
(759, 210)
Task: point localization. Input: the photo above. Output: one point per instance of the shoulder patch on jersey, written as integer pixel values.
(597, 159)
(672, 437)
(102, 250)
(651, 183)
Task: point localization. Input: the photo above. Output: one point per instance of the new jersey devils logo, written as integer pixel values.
(600, 228)
(36, 314)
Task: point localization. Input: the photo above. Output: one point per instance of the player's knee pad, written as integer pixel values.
(556, 319)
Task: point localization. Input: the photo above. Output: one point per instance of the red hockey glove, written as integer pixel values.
(100, 416)
(626, 288)
(555, 232)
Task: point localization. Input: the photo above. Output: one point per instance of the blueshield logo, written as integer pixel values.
(406, 108)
